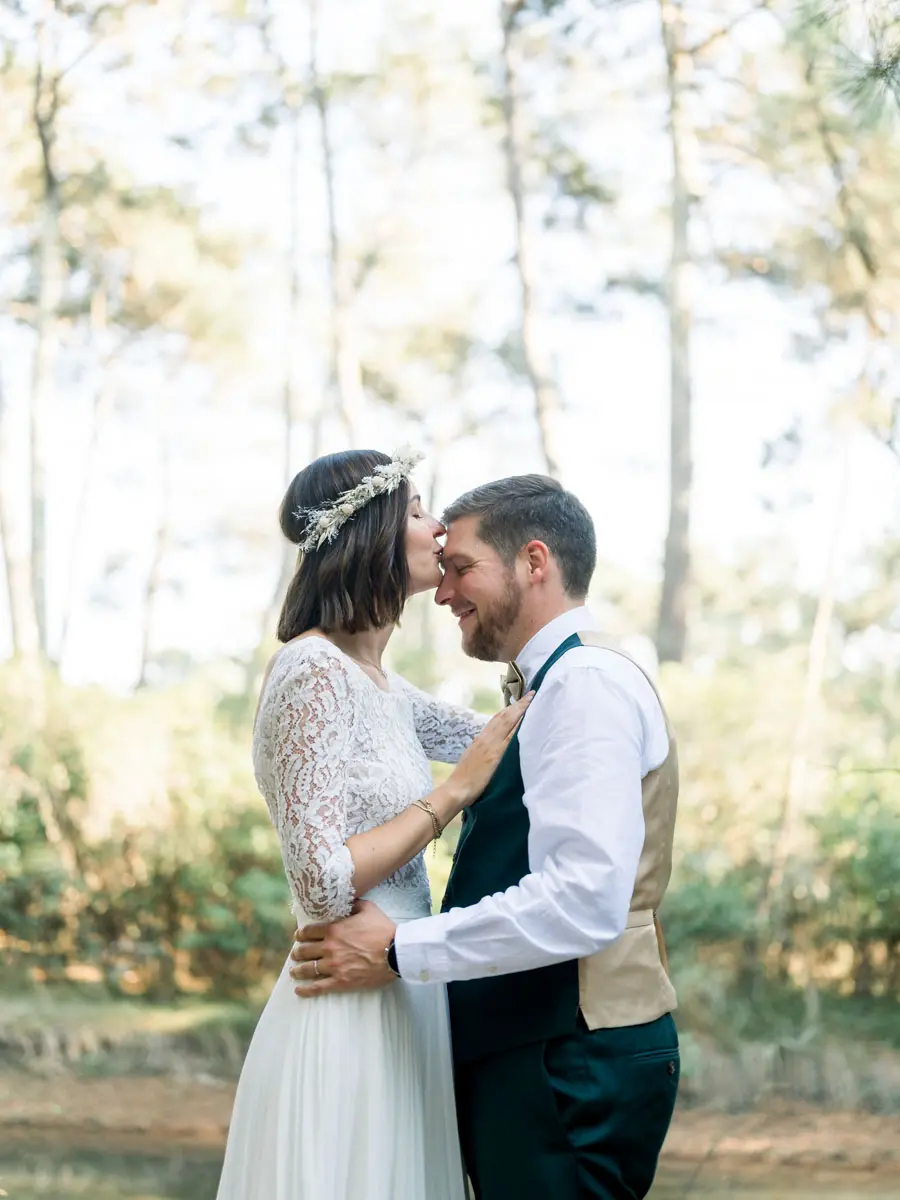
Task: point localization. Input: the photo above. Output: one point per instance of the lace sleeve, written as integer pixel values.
(313, 730)
(444, 730)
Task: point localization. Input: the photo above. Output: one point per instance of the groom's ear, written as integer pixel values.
(537, 561)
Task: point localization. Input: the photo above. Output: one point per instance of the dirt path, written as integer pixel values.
(143, 1114)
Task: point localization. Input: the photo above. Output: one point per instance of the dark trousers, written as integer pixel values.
(582, 1116)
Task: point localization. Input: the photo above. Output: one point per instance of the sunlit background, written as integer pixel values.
(651, 247)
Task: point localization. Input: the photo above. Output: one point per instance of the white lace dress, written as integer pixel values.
(346, 1097)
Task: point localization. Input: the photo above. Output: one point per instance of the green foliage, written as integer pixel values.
(861, 43)
(707, 908)
(134, 847)
(859, 841)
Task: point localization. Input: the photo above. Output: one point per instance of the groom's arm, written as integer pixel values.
(582, 759)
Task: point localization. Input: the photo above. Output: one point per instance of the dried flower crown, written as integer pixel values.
(324, 524)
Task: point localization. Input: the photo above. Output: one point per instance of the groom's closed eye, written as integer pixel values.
(459, 567)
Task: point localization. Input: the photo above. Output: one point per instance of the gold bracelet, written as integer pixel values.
(427, 807)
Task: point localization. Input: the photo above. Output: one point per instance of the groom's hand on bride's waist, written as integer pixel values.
(346, 956)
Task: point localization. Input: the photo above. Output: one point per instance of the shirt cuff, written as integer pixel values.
(422, 950)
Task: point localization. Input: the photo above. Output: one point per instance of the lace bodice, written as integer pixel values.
(334, 755)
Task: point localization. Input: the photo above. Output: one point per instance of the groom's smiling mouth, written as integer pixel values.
(462, 614)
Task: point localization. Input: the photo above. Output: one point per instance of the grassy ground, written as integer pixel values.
(157, 1114)
(80, 1011)
(91, 1034)
(83, 1071)
(734, 1059)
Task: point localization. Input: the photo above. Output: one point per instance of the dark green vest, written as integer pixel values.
(500, 1012)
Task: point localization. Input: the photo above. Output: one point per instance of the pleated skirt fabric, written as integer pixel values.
(346, 1097)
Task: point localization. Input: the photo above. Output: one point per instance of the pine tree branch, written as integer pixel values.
(723, 31)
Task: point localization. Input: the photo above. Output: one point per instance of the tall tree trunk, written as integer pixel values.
(289, 400)
(345, 372)
(49, 295)
(799, 799)
(161, 545)
(14, 538)
(543, 388)
(104, 400)
(671, 633)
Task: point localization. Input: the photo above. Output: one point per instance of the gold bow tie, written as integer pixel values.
(513, 683)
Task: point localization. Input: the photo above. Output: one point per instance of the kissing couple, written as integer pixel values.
(523, 1036)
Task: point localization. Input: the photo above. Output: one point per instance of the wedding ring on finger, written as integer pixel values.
(316, 968)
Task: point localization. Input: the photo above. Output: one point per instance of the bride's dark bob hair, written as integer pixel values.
(360, 580)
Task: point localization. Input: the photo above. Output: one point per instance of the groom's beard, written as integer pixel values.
(493, 623)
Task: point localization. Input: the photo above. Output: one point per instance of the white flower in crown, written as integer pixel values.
(324, 524)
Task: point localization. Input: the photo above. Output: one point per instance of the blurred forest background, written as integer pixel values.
(649, 246)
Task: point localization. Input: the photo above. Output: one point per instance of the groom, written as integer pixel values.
(566, 1053)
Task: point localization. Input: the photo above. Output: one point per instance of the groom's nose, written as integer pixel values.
(444, 594)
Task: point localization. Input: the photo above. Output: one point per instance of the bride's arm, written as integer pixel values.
(444, 730)
(327, 866)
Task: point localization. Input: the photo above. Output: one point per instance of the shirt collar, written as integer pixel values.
(536, 652)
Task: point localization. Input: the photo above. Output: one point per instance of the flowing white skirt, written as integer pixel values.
(346, 1097)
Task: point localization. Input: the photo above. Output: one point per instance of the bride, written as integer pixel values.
(350, 1097)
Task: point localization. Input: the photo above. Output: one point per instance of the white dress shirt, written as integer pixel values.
(592, 732)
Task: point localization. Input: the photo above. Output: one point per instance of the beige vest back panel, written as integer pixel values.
(627, 983)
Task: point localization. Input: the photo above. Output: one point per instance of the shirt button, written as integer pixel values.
(492, 970)
(424, 976)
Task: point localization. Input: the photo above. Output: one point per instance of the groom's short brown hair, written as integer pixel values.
(524, 508)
